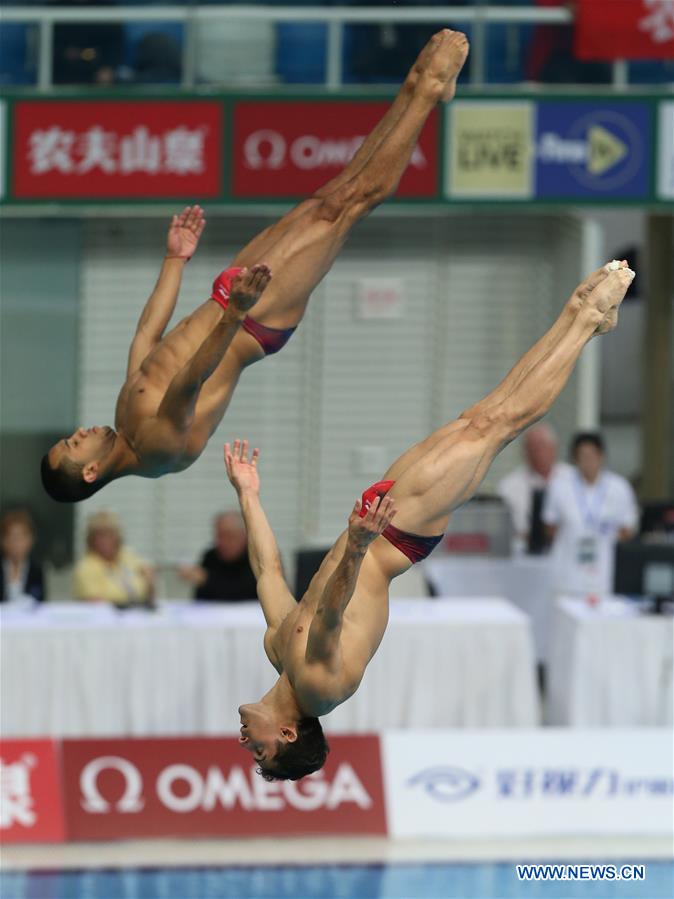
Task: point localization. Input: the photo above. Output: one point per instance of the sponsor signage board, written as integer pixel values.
(232, 149)
(117, 149)
(529, 783)
(586, 150)
(549, 150)
(290, 148)
(31, 808)
(208, 787)
(490, 149)
(666, 154)
(624, 29)
(438, 784)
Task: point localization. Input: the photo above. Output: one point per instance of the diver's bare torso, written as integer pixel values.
(159, 446)
(318, 689)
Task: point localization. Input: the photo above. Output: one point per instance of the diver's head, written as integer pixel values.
(75, 467)
(283, 750)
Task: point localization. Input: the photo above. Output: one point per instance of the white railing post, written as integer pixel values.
(333, 66)
(478, 48)
(189, 52)
(45, 54)
(621, 74)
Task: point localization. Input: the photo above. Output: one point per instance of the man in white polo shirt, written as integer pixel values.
(523, 490)
(588, 510)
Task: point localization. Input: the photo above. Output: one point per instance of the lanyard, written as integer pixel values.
(591, 511)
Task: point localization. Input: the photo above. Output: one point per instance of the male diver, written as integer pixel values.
(179, 385)
(322, 644)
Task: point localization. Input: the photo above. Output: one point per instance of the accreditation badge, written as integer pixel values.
(587, 550)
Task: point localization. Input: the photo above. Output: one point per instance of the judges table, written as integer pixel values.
(610, 665)
(527, 581)
(75, 670)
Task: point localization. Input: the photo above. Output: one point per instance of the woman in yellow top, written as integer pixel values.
(109, 571)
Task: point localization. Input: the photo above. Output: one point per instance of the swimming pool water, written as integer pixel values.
(395, 881)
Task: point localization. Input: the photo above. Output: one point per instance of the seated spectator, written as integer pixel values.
(21, 574)
(158, 59)
(523, 490)
(224, 573)
(87, 52)
(109, 571)
(587, 511)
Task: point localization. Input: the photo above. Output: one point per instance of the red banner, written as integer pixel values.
(119, 789)
(625, 29)
(31, 808)
(290, 148)
(121, 149)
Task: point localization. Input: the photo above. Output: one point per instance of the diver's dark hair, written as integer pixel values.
(295, 760)
(592, 437)
(65, 483)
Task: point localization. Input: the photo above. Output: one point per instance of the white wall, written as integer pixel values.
(39, 299)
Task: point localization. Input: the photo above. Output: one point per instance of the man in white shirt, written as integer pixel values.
(523, 490)
(587, 511)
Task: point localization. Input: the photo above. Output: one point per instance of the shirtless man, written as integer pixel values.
(178, 386)
(322, 645)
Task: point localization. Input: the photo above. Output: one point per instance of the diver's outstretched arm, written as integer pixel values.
(265, 560)
(181, 242)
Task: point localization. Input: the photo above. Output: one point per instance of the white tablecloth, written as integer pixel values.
(610, 665)
(74, 670)
(527, 581)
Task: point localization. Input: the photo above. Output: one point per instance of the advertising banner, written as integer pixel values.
(490, 149)
(624, 29)
(290, 148)
(31, 808)
(666, 166)
(233, 150)
(117, 149)
(589, 149)
(208, 787)
(529, 783)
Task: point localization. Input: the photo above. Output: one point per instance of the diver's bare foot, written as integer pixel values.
(422, 61)
(248, 285)
(585, 288)
(607, 297)
(443, 68)
(609, 323)
(458, 56)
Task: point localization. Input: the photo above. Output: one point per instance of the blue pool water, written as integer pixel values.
(399, 881)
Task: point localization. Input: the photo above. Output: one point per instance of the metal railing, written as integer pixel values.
(479, 17)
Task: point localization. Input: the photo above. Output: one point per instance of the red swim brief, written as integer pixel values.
(414, 546)
(270, 339)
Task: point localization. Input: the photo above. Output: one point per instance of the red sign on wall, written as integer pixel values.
(117, 149)
(189, 787)
(31, 809)
(625, 29)
(289, 148)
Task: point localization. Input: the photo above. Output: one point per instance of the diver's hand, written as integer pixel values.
(241, 471)
(362, 531)
(184, 233)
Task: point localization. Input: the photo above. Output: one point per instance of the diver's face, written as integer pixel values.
(84, 446)
(259, 732)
